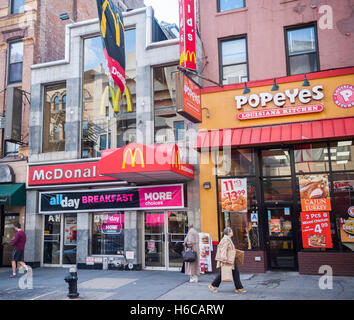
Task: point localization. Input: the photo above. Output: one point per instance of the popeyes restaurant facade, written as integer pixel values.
(126, 210)
(277, 166)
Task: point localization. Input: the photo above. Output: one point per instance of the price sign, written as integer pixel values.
(234, 195)
(316, 230)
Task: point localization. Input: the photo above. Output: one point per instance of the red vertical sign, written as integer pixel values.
(187, 27)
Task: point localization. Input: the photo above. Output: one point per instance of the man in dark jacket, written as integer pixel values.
(19, 242)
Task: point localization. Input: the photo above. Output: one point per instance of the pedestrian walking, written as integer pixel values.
(225, 257)
(19, 242)
(191, 242)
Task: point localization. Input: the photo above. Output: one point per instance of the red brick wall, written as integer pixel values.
(250, 265)
(341, 262)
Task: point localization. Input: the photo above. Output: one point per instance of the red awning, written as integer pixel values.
(275, 134)
(145, 163)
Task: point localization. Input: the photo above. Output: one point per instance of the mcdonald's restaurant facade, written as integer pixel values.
(278, 170)
(110, 185)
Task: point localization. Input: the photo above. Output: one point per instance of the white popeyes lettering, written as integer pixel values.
(279, 99)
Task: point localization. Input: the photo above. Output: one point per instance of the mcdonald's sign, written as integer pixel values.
(176, 160)
(133, 154)
(187, 25)
(112, 30)
(116, 99)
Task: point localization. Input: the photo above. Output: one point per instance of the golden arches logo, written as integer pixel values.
(176, 161)
(133, 157)
(116, 99)
(189, 56)
(117, 22)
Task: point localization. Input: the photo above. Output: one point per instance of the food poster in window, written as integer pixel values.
(316, 230)
(314, 192)
(70, 231)
(205, 249)
(347, 226)
(234, 195)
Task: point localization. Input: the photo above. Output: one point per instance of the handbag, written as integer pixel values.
(226, 273)
(189, 256)
(240, 257)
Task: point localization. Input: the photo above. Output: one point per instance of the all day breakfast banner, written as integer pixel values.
(133, 198)
(314, 192)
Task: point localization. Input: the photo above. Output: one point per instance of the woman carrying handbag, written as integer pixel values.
(191, 242)
(225, 257)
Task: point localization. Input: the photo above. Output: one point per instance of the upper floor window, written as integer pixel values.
(302, 50)
(233, 60)
(15, 62)
(17, 6)
(225, 5)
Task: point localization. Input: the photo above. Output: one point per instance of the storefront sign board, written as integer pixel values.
(316, 230)
(132, 198)
(205, 248)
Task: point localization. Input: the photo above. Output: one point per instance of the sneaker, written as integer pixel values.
(212, 289)
(240, 290)
(13, 276)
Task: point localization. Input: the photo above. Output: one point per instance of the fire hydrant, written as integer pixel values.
(71, 279)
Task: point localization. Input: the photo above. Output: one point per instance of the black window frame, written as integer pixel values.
(219, 10)
(11, 7)
(9, 61)
(221, 66)
(287, 56)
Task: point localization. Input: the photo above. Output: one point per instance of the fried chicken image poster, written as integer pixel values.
(234, 195)
(314, 192)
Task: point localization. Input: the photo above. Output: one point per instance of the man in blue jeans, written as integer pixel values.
(18, 253)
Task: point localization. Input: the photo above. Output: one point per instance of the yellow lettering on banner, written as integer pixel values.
(117, 22)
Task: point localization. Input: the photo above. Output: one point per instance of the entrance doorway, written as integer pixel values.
(163, 233)
(59, 240)
(8, 220)
(280, 239)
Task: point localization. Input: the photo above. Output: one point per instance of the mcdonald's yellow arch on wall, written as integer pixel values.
(145, 163)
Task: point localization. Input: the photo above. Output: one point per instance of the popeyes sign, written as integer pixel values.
(284, 103)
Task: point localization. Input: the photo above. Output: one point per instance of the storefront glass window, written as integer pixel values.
(278, 190)
(167, 121)
(54, 118)
(276, 162)
(102, 114)
(342, 155)
(107, 233)
(343, 192)
(311, 158)
(241, 162)
(244, 222)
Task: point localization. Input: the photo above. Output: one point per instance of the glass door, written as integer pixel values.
(164, 234)
(281, 245)
(155, 235)
(70, 239)
(8, 233)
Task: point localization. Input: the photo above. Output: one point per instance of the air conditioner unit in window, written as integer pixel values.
(161, 139)
(233, 79)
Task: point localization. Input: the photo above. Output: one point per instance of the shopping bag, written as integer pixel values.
(226, 273)
(240, 257)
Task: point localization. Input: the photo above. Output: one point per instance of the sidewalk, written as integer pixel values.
(49, 284)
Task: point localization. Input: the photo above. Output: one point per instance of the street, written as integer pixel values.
(49, 284)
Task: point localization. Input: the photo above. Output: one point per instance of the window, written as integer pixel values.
(302, 52)
(53, 119)
(166, 116)
(276, 162)
(311, 158)
(342, 155)
(15, 62)
(241, 162)
(225, 5)
(17, 6)
(233, 60)
(108, 233)
(11, 149)
(63, 101)
(107, 123)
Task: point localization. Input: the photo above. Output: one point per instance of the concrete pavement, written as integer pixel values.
(48, 284)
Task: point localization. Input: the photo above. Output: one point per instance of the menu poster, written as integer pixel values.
(314, 193)
(275, 226)
(234, 195)
(347, 226)
(316, 230)
(205, 248)
(70, 232)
